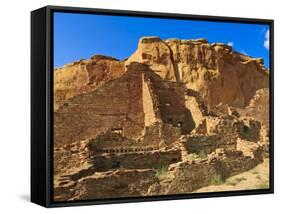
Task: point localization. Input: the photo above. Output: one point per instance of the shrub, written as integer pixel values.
(160, 170)
(217, 179)
(202, 154)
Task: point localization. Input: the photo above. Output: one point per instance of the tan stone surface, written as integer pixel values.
(215, 70)
(256, 107)
(84, 76)
(256, 178)
(178, 116)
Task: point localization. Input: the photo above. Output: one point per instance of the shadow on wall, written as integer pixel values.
(171, 103)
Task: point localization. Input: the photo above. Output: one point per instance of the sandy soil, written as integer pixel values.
(256, 178)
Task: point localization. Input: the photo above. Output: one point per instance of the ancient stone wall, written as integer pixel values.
(195, 105)
(170, 119)
(184, 177)
(234, 162)
(135, 159)
(71, 157)
(221, 132)
(256, 107)
(180, 177)
(202, 144)
(148, 104)
(249, 129)
(118, 105)
(221, 125)
(112, 184)
(115, 143)
(125, 105)
(170, 101)
(154, 137)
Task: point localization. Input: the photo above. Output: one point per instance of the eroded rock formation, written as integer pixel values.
(172, 118)
(84, 76)
(215, 71)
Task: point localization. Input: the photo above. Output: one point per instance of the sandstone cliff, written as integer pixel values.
(84, 76)
(214, 70)
(176, 116)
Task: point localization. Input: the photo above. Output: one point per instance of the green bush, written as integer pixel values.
(160, 170)
(217, 179)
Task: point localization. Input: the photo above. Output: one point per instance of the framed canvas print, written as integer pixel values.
(139, 106)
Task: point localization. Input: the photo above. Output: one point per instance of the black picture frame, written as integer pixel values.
(42, 104)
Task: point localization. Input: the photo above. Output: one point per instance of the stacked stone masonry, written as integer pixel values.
(167, 120)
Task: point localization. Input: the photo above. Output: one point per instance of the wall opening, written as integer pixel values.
(180, 124)
(117, 131)
(116, 165)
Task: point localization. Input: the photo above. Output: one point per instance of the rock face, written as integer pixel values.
(84, 76)
(176, 116)
(215, 71)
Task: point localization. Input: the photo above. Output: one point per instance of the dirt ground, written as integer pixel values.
(256, 178)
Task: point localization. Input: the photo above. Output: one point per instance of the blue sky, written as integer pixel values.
(80, 36)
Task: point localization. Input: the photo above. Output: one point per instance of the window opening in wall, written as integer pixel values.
(179, 124)
(116, 165)
(117, 131)
(245, 128)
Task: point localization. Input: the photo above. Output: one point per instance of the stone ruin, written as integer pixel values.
(141, 132)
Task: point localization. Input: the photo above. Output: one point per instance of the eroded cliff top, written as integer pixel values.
(215, 70)
(218, 46)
